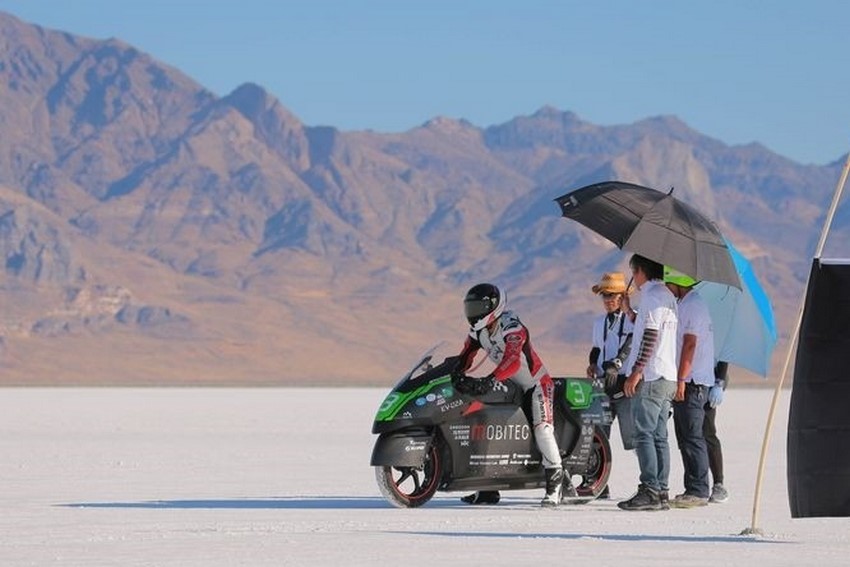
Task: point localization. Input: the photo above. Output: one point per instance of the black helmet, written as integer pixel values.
(483, 304)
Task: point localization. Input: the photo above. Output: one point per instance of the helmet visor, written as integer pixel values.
(475, 309)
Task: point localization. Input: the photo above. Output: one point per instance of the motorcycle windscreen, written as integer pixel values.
(818, 441)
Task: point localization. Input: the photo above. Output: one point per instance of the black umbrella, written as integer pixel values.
(653, 224)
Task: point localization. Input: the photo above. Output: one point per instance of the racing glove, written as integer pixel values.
(472, 386)
(460, 382)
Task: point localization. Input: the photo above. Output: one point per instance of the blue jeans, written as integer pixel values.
(689, 418)
(650, 411)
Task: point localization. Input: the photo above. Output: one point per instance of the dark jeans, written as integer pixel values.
(688, 419)
(715, 450)
(621, 411)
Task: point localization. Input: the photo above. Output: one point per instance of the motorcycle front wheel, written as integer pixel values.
(411, 487)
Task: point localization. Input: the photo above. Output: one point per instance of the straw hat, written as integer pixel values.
(611, 282)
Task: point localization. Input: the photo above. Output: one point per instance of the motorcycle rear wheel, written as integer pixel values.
(411, 487)
(595, 476)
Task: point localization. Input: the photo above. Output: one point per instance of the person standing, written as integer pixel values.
(508, 344)
(719, 494)
(610, 348)
(651, 383)
(695, 378)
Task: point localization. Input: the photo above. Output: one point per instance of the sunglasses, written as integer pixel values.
(610, 295)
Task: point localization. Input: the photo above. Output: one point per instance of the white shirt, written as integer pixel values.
(609, 336)
(694, 319)
(657, 311)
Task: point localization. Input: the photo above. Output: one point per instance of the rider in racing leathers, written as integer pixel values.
(506, 341)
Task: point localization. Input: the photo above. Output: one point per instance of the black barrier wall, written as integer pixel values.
(819, 420)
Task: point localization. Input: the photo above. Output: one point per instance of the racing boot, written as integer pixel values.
(554, 484)
(482, 497)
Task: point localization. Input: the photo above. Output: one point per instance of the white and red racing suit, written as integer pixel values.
(509, 347)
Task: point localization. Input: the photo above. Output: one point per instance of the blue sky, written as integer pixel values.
(739, 71)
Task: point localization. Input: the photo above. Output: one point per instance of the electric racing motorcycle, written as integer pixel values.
(432, 437)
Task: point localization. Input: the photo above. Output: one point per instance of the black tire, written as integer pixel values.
(595, 476)
(411, 487)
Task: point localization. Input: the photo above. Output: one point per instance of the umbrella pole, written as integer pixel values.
(836, 198)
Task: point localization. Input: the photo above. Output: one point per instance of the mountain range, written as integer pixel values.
(156, 233)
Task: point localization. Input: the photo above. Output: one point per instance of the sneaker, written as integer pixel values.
(664, 497)
(688, 501)
(719, 494)
(482, 497)
(645, 499)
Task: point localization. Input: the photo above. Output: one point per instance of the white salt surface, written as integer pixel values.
(211, 477)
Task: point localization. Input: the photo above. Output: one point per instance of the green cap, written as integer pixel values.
(673, 276)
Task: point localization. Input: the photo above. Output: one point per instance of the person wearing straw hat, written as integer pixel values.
(611, 344)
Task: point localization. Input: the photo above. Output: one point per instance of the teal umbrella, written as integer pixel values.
(744, 326)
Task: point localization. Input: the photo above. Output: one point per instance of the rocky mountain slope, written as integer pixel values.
(156, 233)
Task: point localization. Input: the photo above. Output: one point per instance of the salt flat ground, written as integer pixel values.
(211, 477)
